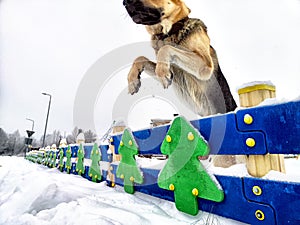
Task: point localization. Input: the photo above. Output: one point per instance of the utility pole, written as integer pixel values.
(46, 118)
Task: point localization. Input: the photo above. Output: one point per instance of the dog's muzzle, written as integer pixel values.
(142, 14)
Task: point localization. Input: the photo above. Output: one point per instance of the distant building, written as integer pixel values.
(159, 122)
(118, 126)
(80, 138)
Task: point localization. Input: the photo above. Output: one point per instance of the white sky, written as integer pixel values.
(48, 46)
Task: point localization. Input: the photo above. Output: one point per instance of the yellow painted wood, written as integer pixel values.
(116, 157)
(264, 87)
(260, 165)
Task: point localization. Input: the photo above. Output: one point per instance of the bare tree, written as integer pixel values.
(71, 139)
(56, 137)
(90, 136)
(53, 138)
(3, 142)
(15, 142)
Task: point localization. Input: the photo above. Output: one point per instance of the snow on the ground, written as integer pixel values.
(36, 195)
(292, 168)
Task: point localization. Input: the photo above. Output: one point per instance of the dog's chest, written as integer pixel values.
(158, 43)
(178, 34)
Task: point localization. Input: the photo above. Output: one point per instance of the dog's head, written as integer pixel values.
(151, 12)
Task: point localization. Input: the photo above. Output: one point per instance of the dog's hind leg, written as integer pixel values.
(139, 65)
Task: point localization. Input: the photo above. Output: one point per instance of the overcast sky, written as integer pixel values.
(50, 46)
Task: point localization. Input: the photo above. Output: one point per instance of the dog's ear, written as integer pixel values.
(189, 10)
(185, 11)
(184, 6)
(182, 3)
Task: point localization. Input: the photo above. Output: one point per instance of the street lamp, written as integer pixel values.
(32, 122)
(46, 118)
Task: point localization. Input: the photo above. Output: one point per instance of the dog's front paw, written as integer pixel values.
(163, 72)
(134, 86)
(166, 82)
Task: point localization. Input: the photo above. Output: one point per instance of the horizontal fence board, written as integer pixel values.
(275, 129)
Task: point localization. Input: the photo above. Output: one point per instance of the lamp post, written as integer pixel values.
(32, 122)
(46, 118)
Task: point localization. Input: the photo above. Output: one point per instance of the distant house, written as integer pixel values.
(159, 122)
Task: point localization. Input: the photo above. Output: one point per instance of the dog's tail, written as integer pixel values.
(228, 98)
(230, 104)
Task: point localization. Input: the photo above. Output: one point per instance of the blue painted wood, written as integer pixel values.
(74, 149)
(65, 151)
(104, 156)
(103, 150)
(224, 138)
(73, 168)
(283, 197)
(63, 169)
(104, 175)
(276, 130)
(86, 173)
(280, 124)
(148, 140)
(234, 206)
(87, 151)
(220, 131)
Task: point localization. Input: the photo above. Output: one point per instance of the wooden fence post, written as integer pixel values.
(115, 157)
(251, 95)
(116, 129)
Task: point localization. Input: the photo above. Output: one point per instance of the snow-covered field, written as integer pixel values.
(34, 194)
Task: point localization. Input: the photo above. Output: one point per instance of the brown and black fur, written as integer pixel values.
(184, 56)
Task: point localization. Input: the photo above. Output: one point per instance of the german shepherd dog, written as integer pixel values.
(184, 56)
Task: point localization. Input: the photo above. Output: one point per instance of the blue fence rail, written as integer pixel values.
(274, 129)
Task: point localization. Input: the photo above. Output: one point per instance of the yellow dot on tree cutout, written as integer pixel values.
(168, 138)
(172, 187)
(195, 192)
(191, 136)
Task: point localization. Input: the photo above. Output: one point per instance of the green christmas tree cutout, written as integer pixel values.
(49, 163)
(61, 159)
(53, 162)
(68, 162)
(80, 159)
(128, 169)
(46, 159)
(183, 173)
(94, 171)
